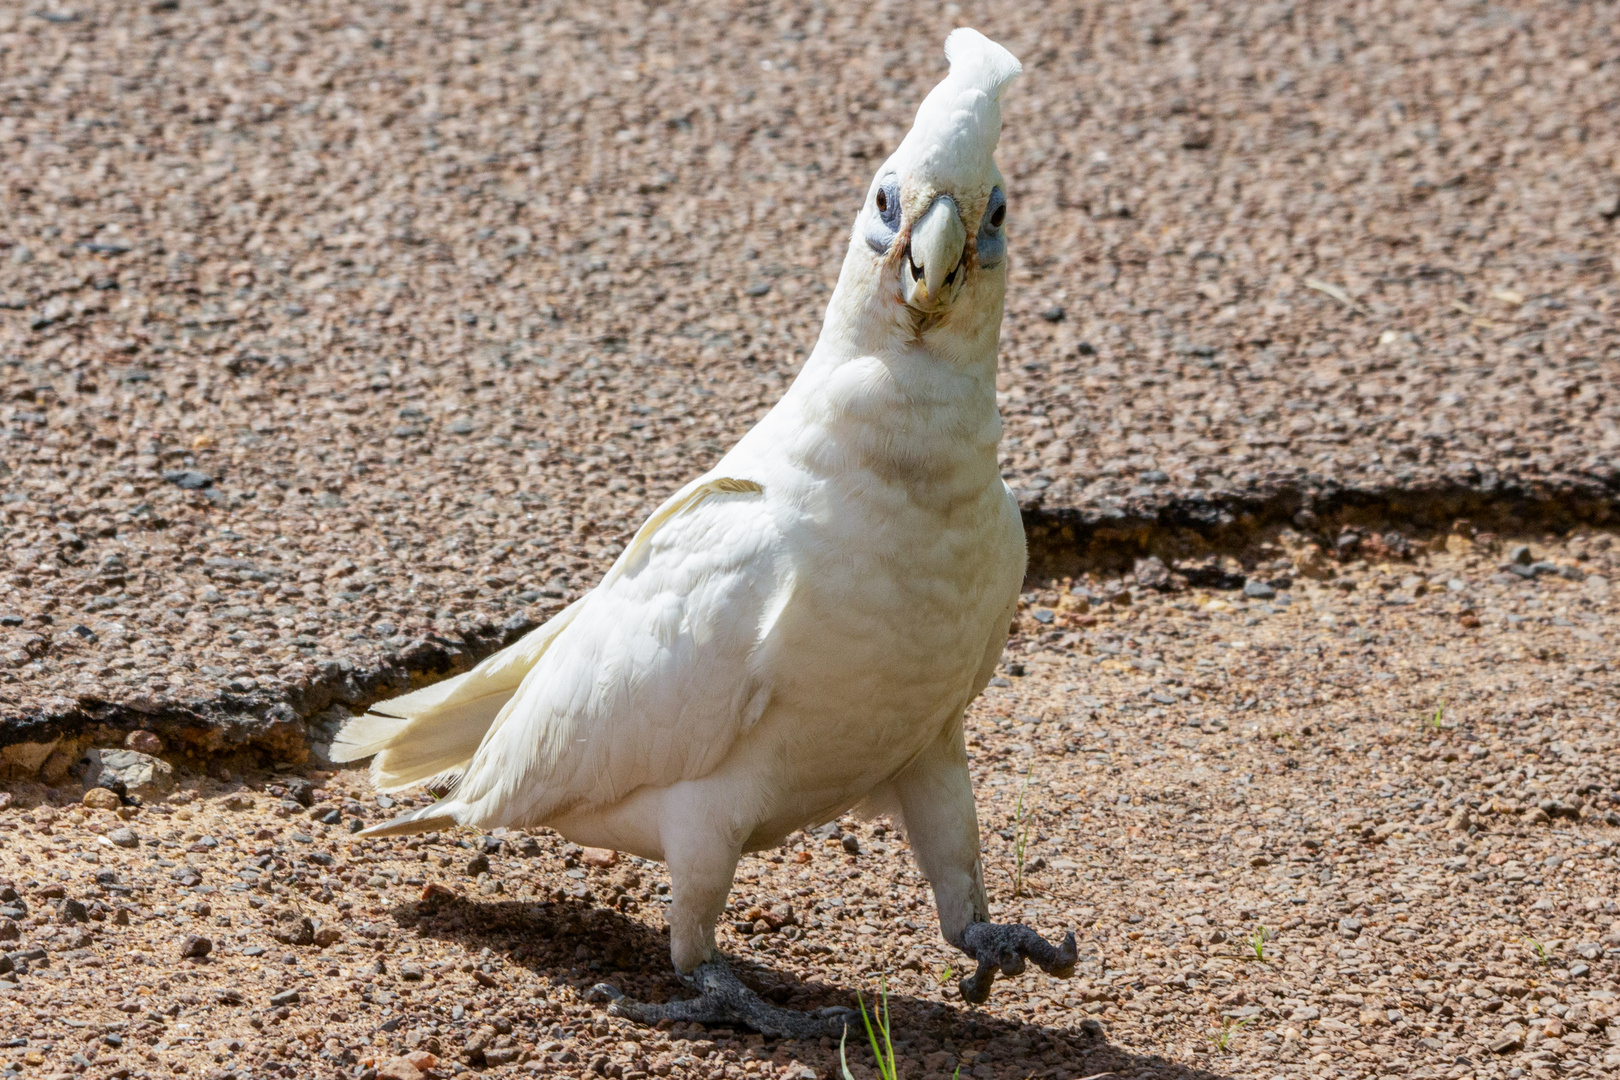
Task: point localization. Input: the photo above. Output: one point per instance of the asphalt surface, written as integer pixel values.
(339, 343)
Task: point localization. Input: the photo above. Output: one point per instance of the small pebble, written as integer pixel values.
(189, 479)
(602, 857)
(144, 742)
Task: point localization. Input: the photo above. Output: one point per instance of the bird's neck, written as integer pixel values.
(919, 414)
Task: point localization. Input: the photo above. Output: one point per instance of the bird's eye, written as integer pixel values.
(996, 209)
(992, 243)
(880, 233)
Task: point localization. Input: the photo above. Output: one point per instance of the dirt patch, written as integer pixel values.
(1339, 826)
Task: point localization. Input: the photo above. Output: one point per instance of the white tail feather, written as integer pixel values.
(426, 819)
(433, 733)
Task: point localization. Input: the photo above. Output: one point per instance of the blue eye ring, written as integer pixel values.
(995, 211)
(888, 202)
(881, 231)
(992, 242)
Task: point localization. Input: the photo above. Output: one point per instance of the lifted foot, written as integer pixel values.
(1004, 947)
(725, 1000)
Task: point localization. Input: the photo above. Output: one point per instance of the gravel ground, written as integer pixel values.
(1366, 825)
(342, 342)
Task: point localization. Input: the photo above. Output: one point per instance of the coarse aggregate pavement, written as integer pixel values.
(1363, 822)
(340, 343)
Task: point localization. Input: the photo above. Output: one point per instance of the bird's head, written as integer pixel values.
(931, 235)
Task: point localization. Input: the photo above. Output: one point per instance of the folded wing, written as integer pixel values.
(648, 680)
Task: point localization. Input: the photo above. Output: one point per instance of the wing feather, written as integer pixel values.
(433, 732)
(652, 680)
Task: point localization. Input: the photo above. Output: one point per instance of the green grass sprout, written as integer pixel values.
(1021, 843)
(1222, 1040)
(884, 1051)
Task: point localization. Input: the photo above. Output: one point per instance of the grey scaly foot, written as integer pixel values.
(725, 1000)
(1004, 947)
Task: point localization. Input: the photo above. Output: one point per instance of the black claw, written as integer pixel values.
(1003, 947)
(725, 1000)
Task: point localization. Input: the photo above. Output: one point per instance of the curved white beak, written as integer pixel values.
(933, 269)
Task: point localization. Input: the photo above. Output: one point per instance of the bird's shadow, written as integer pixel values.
(579, 944)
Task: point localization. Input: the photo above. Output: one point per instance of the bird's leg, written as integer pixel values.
(935, 794)
(702, 857)
(725, 1000)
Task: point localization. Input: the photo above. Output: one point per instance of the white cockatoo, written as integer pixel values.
(798, 631)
